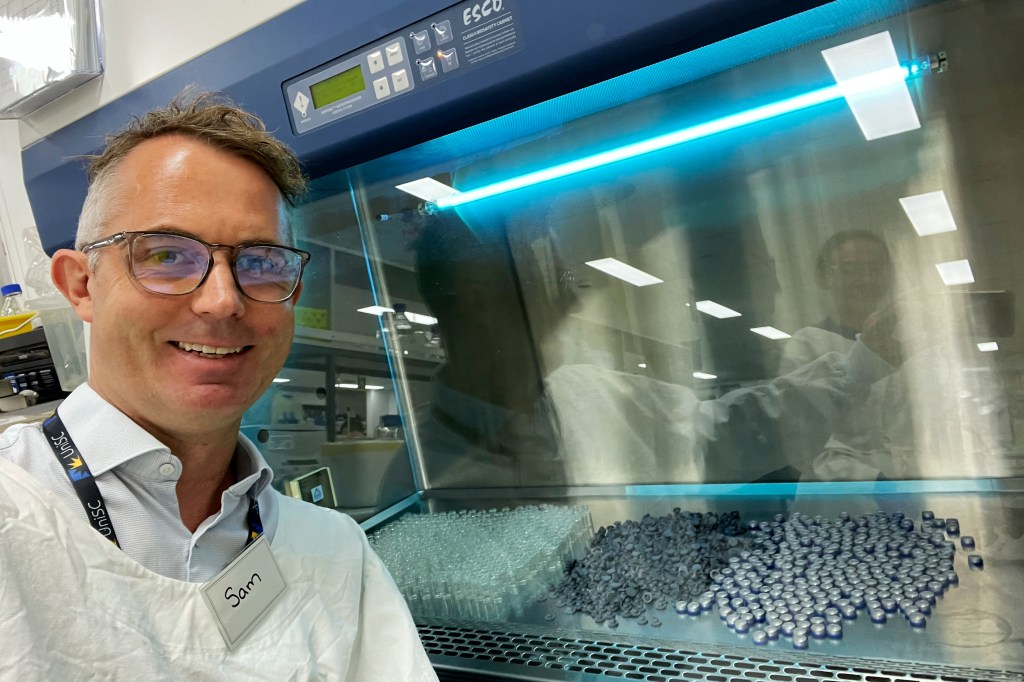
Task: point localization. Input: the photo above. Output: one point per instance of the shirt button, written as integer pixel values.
(166, 469)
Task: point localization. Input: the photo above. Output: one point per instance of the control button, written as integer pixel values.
(380, 87)
(449, 59)
(376, 61)
(394, 52)
(301, 103)
(442, 32)
(400, 79)
(428, 69)
(420, 41)
(167, 469)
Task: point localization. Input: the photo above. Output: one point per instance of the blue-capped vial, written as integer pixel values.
(787, 628)
(967, 542)
(759, 637)
(692, 608)
(877, 615)
(818, 630)
(800, 642)
(917, 620)
(975, 561)
(772, 631)
(834, 631)
(927, 515)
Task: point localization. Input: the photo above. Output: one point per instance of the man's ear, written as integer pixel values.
(70, 272)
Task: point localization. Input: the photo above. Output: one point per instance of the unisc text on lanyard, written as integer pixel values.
(73, 464)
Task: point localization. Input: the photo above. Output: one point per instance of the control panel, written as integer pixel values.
(444, 45)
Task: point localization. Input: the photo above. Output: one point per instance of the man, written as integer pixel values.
(185, 269)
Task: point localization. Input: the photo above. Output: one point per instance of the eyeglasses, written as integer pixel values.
(173, 264)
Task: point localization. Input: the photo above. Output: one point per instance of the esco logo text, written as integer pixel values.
(481, 10)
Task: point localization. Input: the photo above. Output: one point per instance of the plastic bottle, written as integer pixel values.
(402, 324)
(12, 304)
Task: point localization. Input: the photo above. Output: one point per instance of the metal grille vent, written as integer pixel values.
(669, 664)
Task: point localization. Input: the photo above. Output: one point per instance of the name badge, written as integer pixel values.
(243, 593)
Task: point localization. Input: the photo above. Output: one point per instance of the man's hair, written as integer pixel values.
(207, 117)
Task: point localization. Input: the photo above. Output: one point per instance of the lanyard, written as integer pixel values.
(84, 484)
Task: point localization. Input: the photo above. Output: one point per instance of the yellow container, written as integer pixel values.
(12, 325)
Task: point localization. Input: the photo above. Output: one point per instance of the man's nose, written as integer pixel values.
(219, 295)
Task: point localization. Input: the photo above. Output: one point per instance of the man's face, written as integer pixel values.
(860, 272)
(137, 357)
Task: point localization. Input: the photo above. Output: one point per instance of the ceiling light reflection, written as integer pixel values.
(625, 272)
(427, 189)
(715, 310)
(770, 332)
(955, 272)
(375, 310)
(929, 213)
(880, 111)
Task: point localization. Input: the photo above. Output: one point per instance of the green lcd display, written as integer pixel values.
(337, 87)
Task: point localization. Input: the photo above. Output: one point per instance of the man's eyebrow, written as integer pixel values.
(167, 229)
(260, 242)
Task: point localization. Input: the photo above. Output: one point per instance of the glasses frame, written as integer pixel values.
(130, 236)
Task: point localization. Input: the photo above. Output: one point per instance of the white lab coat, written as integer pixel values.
(73, 607)
(941, 414)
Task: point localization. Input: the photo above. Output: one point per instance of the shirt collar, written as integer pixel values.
(108, 438)
(254, 474)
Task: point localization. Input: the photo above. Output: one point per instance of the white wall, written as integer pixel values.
(141, 40)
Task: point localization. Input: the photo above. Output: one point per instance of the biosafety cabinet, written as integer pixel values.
(653, 341)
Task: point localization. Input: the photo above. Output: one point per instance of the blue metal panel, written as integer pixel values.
(567, 46)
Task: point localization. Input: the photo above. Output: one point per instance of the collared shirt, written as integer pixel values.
(138, 476)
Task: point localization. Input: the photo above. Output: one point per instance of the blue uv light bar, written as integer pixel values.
(830, 488)
(866, 83)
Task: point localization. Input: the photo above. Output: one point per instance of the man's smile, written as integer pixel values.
(208, 351)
